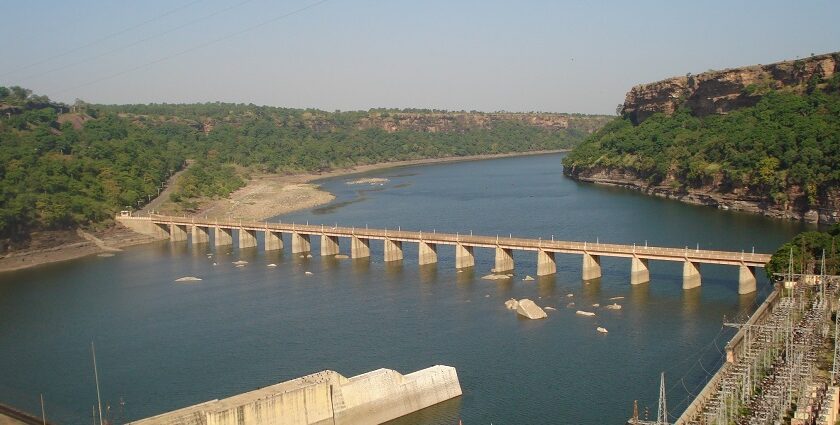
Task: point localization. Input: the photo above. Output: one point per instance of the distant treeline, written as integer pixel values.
(70, 165)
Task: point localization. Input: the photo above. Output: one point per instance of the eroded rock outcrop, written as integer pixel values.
(717, 92)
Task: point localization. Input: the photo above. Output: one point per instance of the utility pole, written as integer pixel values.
(662, 413)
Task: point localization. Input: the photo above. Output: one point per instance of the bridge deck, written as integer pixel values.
(515, 243)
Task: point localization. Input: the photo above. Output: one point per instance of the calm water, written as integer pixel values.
(162, 345)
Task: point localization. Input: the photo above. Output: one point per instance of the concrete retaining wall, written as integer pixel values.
(324, 398)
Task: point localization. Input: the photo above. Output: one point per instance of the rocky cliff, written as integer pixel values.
(718, 92)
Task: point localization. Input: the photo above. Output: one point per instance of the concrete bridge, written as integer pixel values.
(198, 230)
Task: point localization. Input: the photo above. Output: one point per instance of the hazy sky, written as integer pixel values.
(358, 54)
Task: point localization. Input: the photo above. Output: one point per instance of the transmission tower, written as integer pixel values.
(835, 368)
(662, 414)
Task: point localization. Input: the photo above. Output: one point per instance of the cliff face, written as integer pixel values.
(717, 92)
(459, 121)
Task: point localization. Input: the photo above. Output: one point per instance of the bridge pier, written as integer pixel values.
(200, 234)
(329, 245)
(222, 236)
(247, 238)
(639, 272)
(746, 279)
(359, 248)
(393, 250)
(464, 256)
(545, 263)
(177, 232)
(591, 266)
(273, 240)
(691, 275)
(427, 253)
(504, 260)
(300, 243)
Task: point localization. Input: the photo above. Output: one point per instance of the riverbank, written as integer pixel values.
(269, 195)
(723, 201)
(264, 196)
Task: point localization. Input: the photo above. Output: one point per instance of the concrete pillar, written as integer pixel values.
(545, 263)
(177, 232)
(746, 279)
(639, 272)
(691, 275)
(359, 248)
(329, 245)
(393, 250)
(273, 240)
(160, 230)
(591, 266)
(247, 238)
(200, 235)
(464, 256)
(222, 236)
(504, 260)
(300, 243)
(427, 253)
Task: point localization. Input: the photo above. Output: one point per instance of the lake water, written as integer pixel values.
(163, 345)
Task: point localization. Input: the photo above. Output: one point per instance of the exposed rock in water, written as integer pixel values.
(188, 279)
(105, 255)
(370, 180)
(307, 273)
(529, 309)
(550, 308)
(570, 305)
(272, 265)
(602, 330)
(570, 295)
(240, 262)
(613, 306)
(342, 257)
(616, 298)
(528, 278)
(511, 304)
(596, 305)
(496, 277)
(585, 313)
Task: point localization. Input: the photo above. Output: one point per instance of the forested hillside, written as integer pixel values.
(781, 154)
(64, 166)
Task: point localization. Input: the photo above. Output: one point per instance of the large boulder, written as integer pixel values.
(530, 310)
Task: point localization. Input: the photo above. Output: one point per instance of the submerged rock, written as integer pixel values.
(570, 305)
(188, 279)
(529, 309)
(596, 305)
(342, 257)
(511, 304)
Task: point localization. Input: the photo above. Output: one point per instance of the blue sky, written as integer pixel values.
(358, 54)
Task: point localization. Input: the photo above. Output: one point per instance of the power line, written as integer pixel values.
(99, 40)
(141, 41)
(196, 47)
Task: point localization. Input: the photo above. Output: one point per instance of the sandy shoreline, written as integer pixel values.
(263, 197)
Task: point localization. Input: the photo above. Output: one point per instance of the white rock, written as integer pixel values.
(616, 298)
(239, 266)
(240, 262)
(307, 272)
(529, 309)
(527, 277)
(602, 330)
(308, 255)
(596, 305)
(188, 279)
(585, 313)
(495, 277)
(570, 295)
(214, 264)
(511, 304)
(613, 306)
(272, 265)
(570, 305)
(550, 308)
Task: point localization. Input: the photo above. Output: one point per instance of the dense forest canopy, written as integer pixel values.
(788, 143)
(64, 166)
(804, 254)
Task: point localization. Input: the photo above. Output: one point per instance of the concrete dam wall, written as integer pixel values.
(324, 398)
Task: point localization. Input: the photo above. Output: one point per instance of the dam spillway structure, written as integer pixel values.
(324, 398)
